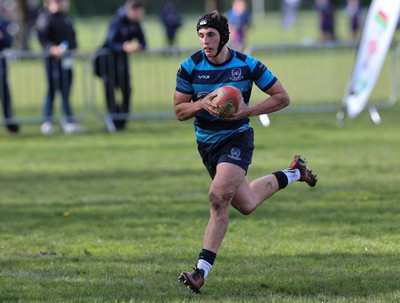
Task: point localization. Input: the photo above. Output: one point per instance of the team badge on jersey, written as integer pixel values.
(235, 154)
(236, 74)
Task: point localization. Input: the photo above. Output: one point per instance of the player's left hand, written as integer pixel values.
(242, 113)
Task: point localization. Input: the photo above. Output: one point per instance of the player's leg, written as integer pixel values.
(250, 195)
(223, 188)
(228, 179)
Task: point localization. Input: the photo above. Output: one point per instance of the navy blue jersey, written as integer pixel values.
(197, 76)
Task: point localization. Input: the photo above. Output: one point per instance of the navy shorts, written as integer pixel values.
(237, 149)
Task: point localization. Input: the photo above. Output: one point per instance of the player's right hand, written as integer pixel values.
(209, 105)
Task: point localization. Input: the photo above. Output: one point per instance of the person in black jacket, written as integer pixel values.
(57, 36)
(113, 66)
(5, 97)
(171, 20)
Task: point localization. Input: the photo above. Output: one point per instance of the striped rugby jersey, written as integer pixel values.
(197, 76)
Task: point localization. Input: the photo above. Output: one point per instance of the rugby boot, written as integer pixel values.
(307, 175)
(194, 280)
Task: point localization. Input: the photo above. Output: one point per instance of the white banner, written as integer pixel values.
(377, 36)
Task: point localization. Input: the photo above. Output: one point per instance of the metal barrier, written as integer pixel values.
(315, 76)
(152, 79)
(26, 73)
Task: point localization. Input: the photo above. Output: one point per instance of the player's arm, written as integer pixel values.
(277, 100)
(185, 108)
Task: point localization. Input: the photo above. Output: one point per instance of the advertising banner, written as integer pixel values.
(379, 28)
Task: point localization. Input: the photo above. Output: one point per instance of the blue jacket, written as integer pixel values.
(122, 30)
(7, 39)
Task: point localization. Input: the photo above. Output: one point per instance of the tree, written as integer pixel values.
(27, 11)
(213, 5)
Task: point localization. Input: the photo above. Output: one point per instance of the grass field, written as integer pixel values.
(115, 218)
(101, 217)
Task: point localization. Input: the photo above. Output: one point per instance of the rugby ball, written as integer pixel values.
(228, 100)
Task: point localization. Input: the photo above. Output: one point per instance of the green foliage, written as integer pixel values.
(115, 218)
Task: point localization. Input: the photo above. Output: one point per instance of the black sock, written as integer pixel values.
(208, 256)
(282, 179)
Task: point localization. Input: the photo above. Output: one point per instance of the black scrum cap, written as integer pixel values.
(218, 22)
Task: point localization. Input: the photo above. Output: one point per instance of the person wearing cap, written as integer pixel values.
(226, 145)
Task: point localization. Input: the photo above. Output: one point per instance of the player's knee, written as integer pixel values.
(219, 202)
(243, 209)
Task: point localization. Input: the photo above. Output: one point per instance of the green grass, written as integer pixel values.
(115, 218)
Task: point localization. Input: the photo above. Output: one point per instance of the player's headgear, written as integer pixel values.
(218, 22)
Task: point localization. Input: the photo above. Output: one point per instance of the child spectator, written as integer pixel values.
(353, 10)
(57, 36)
(171, 20)
(327, 19)
(239, 20)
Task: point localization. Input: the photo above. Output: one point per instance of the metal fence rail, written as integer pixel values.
(28, 87)
(315, 76)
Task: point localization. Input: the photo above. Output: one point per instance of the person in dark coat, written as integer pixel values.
(5, 97)
(112, 62)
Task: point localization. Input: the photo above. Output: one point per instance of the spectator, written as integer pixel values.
(28, 11)
(239, 20)
(171, 20)
(327, 19)
(57, 37)
(353, 10)
(112, 63)
(289, 10)
(5, 97)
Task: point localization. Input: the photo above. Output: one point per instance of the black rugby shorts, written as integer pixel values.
(236, 149)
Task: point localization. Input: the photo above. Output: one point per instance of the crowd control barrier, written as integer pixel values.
(315, 75)
(28, 85)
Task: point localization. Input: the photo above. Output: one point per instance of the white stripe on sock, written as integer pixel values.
(292, 175)
(204, 265)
